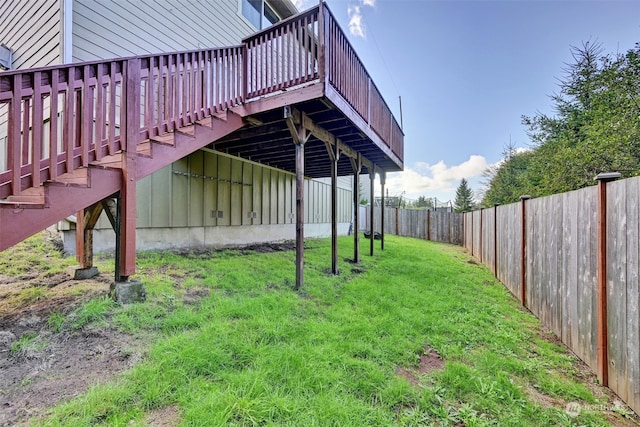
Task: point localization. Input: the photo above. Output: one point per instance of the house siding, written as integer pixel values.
(104, 30)
(32, 29)
(209, 188)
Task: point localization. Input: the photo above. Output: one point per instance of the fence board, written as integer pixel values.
(569, 264)
(633, 294)
(587, 274)
(561, 275)
(616, 286)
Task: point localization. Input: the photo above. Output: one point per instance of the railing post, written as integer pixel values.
(322, 39)
(602, 333)
(523, 251)
(245, 72)
(131, 133)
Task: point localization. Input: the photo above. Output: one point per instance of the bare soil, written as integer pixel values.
(56, 366)
(430, 360)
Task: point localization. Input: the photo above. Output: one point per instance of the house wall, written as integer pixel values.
(211, 199)
(125, 28)
(33, 30)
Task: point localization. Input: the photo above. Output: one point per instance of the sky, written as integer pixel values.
(468, 70)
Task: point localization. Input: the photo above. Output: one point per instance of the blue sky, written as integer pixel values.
(468, 70)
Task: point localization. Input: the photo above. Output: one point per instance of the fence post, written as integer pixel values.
(495, 240)
(481, 242)
(397, 233)
(472, 236)
(603, 356)
(428, 224)
(523, 252)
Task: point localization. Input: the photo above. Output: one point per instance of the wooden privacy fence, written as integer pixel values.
(438, 226)
(572, 259)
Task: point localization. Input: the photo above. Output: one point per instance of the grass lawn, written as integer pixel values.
(417, 335)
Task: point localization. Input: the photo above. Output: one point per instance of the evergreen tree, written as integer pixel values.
(595, 128)
(464, 197)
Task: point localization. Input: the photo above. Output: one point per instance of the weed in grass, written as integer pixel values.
(95, 310)
(28, 344)
(26, 296)
(55, 321)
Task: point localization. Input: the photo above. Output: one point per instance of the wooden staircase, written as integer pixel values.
(36, 208)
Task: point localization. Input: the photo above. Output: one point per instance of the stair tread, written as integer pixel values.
(30, 196)
(76, 177)
(144, 148)
(187, 130)
(113, 161)
(167, 138)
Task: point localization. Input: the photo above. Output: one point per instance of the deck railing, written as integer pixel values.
(57, 119)
(312, 46)
(349, 77)
(283, 55)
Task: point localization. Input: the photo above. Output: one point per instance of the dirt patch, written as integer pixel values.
(42, 367)
(195, 294)
(263, 248)
(430, 361)
(168, 416)
(44, 363)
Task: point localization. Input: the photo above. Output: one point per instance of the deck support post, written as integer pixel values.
(356, 164)
(125, 290)
(86, 220)
(300, 137)
(383, 176)
(334, 155)
(372, 178)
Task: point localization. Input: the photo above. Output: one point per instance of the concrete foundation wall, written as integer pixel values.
(200, 237)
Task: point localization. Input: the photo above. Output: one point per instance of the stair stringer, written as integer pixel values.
(163, 154)
(18, 223)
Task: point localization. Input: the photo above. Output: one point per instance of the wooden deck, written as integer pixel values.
(299, 78)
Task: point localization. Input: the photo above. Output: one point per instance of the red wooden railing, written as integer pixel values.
(283, 55)
(349, 77)
(60, 118)
(290, 53)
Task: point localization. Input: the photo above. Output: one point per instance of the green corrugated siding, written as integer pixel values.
(209, 189)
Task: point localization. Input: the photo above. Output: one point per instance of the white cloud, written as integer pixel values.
(355, 21)
(437, 180)
(356, 27)
(302, 4)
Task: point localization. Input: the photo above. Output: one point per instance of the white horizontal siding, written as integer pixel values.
(32, 30)
(123, 28)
